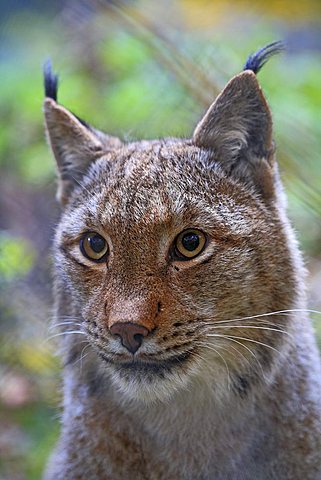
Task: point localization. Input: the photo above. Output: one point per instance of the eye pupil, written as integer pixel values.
(189, 244)
(94, 247)
(191, 241)
(97, 243)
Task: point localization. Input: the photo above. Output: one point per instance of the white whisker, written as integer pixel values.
(238, 352)
(250, 351)
(82, 356)
(56, 325)
(246, 339)
(225, 363)
(278, 312)
(68, 332)
(251, 327)
(227, 349)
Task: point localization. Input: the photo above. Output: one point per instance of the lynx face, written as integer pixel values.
(170, 252)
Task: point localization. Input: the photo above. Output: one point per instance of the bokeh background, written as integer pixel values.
(136, 69)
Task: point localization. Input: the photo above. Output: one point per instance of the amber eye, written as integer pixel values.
(94, 247)
(189, 244)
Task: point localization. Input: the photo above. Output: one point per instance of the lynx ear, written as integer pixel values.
(238, 129)
(74, 143)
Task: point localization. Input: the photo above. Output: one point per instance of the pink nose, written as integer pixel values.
(131, 334)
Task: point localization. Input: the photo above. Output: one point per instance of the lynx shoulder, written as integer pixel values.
(179, 293)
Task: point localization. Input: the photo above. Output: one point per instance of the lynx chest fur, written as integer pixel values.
(179, 294)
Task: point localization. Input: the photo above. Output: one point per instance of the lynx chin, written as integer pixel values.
(179, 295)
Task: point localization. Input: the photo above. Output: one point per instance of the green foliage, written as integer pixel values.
(123, 54)
(41, 430)
(16, 257)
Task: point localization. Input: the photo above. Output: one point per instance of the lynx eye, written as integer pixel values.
(189, 244)
(94, 247)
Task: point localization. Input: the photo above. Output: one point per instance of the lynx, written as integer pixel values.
(179, 288)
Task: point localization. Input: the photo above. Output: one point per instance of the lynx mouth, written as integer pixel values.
(156, 367)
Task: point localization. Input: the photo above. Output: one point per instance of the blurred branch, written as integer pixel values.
(190, 75)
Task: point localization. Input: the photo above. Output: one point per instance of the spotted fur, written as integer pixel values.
(227, 385)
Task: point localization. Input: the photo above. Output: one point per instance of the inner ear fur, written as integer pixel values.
(75, 146)
(238, 129)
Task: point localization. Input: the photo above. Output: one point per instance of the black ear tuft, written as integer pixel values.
(50, 81)
(256, 61)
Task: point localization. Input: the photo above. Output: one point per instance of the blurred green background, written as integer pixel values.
(136, 69)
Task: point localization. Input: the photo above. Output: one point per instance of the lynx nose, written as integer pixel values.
(131, 334)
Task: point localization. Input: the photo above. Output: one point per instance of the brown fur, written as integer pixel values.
(213, 392)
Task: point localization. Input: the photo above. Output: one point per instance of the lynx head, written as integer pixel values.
(169, 252)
